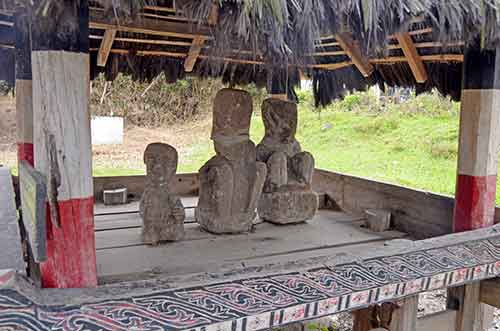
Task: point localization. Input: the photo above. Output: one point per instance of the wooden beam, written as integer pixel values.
(414, 60)
(105, 48)
(472, 315)
(490, 292)
(354, 52)
(194, 52)
(442, 321)
(405, 317)
(147, 41)
(150, 26)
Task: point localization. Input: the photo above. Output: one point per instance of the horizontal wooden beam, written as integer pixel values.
(150, 26)
(413, 57)
(147, 41)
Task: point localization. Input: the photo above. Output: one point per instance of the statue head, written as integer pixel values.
(161, 162)
(280, 119)
(232, 114)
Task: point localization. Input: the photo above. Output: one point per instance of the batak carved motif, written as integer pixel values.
(263, 302)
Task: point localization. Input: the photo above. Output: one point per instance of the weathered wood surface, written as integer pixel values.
(490, 292)
(472, 315)
(418, 213)
(405, 317)
(201, 251)
(11, 256)
(185, 185)
(63, 153)
(442, 321)
(33, 189)
(253, 299)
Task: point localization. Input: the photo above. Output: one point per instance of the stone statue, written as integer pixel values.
(161, 211)
(231, 182)
(288, 197)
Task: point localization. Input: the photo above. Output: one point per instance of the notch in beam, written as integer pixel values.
(414, 60)
(354, 52)
(105, 48)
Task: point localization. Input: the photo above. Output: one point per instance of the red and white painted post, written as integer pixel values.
(24, 94)
(63, 151)
(477, 170)
(479, 141)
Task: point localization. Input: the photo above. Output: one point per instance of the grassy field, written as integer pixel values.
(412, 144)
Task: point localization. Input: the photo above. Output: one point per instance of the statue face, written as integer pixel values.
(281, 127)
(160, 166)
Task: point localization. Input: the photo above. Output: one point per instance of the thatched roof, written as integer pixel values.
(247, 41)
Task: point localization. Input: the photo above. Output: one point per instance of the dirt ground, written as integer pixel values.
(129, 155)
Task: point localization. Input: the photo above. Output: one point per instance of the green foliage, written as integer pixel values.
(153, 104)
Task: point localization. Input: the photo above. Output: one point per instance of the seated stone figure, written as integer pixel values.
(287, 197)
(161, 211)
(231, 182)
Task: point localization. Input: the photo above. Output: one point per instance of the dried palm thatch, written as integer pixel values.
(284, 34)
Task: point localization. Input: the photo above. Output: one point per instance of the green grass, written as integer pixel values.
(412, 144)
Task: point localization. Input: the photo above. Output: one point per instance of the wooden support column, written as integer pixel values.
(477, 169)
(60, 65)
(24, 93)
(405, 317)
(479, 140)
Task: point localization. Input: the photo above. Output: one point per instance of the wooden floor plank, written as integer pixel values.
(116, 249)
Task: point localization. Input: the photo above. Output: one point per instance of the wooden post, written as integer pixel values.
(60, 65)
(405, 317)
(478, 142)
(477, 169)
(24, 93)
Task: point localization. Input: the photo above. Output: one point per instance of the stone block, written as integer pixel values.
(115, 197)
(378, 220)
(288, 207)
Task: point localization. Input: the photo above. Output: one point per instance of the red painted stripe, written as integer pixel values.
(25, 153)
(71, 247)
(474, 202)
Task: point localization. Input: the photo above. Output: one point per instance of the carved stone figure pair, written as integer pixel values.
(274, 177)
(232, 182)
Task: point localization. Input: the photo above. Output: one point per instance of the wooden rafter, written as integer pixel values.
(198, 41)
(149, 26)
(194, 52)
(147, 41)
(105, 48)
(361, 62)
(414, 60)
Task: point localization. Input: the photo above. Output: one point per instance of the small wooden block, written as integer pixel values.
(378, 220)
(115, 197)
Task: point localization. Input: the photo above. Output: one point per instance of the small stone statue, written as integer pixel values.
(231, 182)
(288, 197)
(161, 211)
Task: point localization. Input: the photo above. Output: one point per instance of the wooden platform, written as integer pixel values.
(122, 256)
